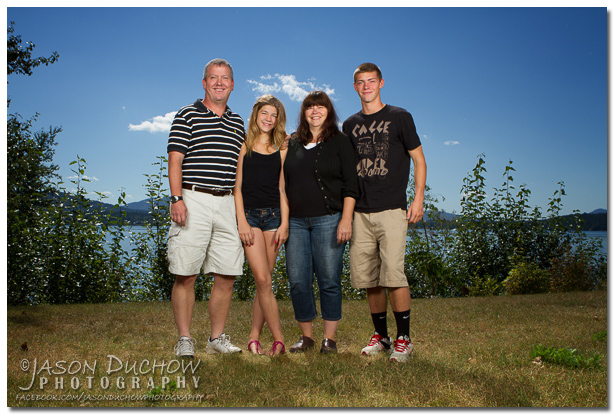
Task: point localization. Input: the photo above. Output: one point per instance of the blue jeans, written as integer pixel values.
(312, 249)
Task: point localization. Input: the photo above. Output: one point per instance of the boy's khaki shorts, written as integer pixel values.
(377, 249)
(209, 240)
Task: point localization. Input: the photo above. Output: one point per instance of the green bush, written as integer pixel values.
(527, 278)
(428, 274)
(427, 262)
(492, 232)
(484, 286)
(572, 271)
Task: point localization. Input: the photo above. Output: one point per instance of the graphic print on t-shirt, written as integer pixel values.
(373, 148)
(382, 141)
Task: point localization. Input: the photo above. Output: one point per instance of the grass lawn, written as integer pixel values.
(469, 352)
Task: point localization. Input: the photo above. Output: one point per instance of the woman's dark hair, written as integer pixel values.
(329, 128)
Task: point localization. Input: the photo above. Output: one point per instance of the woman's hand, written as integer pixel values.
(344, 230)
(246, 234)
(281, 235)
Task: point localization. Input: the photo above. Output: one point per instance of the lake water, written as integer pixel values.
(596, 235)
(127, 244)
(600, 236)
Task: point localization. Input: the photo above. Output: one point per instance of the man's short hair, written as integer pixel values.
(367, 67)
(218, 62)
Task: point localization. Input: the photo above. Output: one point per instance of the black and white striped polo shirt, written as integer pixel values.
(210, 145)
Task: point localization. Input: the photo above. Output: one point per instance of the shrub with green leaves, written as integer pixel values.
(487, 285)
(427, 262)
(573, 271)
(493, 235)
(527, 278)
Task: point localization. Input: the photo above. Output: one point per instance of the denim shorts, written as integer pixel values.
(267, 219)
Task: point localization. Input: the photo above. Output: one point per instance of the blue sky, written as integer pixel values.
(521, 84)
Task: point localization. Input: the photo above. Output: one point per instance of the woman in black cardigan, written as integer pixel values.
(322, 188)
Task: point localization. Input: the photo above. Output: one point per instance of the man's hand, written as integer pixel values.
(415, 212)
(179, 213)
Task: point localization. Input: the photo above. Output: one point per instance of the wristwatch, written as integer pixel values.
(175, 199)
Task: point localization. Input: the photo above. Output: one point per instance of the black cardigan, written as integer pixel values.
(335, 170)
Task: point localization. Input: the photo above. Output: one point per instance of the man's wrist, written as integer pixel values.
(175, 199)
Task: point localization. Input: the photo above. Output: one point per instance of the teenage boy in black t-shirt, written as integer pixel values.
(385, 140)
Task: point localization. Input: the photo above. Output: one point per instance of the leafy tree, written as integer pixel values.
(30, 174)
(152, 268)
(492, 238)
(473, 252)
(56, 240)
(77, 266)
(426, 264)
(150, 262)
(19, 59)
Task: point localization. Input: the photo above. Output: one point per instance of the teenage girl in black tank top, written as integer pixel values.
(262, 212)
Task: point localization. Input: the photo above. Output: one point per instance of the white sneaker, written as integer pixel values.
(402, 352)
(376, 345)
(221, 345)
(185, 347)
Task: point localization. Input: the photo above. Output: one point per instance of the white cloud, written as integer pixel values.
(289, 85)
(158, 124)
(84, 177)
(451, 143)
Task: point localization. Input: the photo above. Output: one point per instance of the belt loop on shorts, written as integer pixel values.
(215, 192)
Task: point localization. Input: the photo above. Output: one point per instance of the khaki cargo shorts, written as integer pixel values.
(377, 249)
(209, 240)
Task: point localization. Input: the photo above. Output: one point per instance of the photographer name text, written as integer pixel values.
(63, 374)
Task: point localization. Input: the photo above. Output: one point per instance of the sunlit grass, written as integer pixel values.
(469, 352)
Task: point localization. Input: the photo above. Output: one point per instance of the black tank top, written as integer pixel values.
(260, 186)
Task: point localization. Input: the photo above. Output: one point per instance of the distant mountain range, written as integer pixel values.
(451, 216)
(593, 221)
(143, 205)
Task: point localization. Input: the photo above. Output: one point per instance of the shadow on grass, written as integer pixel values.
(26, 318)
(480, 388)
(350, 380)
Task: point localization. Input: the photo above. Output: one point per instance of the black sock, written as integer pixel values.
(402, 318)
(380, 323)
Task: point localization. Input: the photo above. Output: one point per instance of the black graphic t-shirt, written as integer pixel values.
(382, 141)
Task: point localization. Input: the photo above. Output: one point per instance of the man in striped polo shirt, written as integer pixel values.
(204, 145)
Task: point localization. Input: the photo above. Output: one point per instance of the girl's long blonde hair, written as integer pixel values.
(278, 134)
